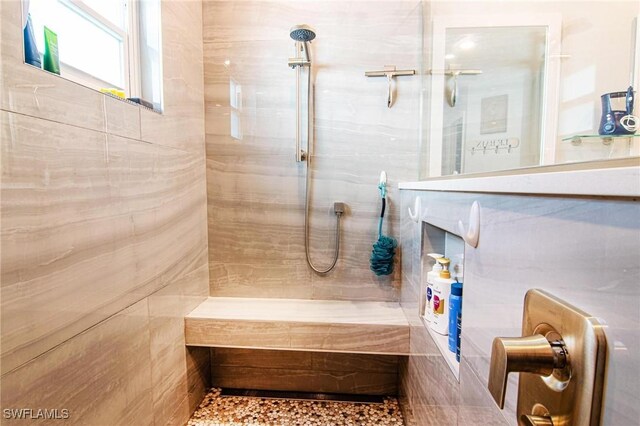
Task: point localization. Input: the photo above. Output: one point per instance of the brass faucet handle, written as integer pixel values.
(531, 420)
(531, 354)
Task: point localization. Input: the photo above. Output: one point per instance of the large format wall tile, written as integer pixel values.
(53, 193)
(104, 236)
(122, 118)
(304, 371)
(276, 17)
(256, 227)
(255, 188)
(350, 338)
(173, 387)
(583, 251)
(81, 376)
(292, 379)
(105, 219)
(476, 405)
(255, 180)
(181, 125)
(242, 279)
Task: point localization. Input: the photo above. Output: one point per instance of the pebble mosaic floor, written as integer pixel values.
(246, 411)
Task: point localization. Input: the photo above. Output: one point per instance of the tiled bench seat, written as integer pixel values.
(299, 325)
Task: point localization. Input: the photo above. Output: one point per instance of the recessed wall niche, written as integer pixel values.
(437, 240)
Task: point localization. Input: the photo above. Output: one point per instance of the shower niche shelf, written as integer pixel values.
(437, 240)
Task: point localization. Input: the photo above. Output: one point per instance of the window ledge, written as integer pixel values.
(79, 83)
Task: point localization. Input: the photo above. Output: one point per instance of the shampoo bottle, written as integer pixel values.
(31, 54)
(459, 326)
(428, 294)
(441, 291)
(455, 306)
(51, 59)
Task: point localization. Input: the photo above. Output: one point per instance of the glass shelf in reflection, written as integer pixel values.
(605, 139)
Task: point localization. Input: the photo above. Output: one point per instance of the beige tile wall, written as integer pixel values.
(583, 243)
(305, 371)
(256, 189)
(104, 244)
(429, 393)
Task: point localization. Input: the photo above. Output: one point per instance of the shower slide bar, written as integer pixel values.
(300, 61)
(303, 35)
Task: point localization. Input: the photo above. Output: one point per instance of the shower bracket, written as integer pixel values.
(298, 62)
(390, 72)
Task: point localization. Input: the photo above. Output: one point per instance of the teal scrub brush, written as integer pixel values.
(384, 249)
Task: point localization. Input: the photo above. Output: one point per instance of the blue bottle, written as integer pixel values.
(31, 54)
(459, 333)
(455, 307)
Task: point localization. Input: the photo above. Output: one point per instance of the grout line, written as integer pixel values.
(97, 131)
(93, 326)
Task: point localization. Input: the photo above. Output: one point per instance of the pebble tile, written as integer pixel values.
(236, 411)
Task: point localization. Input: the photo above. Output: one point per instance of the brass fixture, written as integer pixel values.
(531, 420)
(562, 356)
(531, 354)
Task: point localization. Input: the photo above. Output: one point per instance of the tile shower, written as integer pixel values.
(256, 190)
(117, 222)
(104, 246)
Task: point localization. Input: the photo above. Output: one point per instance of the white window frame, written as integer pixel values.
(130, 47)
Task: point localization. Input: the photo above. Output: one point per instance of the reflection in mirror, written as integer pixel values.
(493, 98)
(512, 86)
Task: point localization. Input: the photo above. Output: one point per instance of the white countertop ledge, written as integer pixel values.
(606, 182)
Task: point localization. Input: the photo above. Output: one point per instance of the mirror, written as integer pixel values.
(492, 108)
(511, 87)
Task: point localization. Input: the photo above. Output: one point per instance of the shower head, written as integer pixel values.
(302, 33)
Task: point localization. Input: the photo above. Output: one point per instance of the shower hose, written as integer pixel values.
(307, 196)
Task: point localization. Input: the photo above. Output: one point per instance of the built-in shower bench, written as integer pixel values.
(299, 325)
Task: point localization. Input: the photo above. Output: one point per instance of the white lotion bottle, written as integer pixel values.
(428, 293)
(440, 300)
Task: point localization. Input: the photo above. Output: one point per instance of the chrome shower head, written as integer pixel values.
(302, 33)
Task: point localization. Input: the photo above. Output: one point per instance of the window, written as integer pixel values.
(105, 43)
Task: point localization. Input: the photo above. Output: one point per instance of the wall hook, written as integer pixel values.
(390, 72)
(472, 234)
(415, 215)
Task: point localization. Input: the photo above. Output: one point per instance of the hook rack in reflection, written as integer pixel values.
(495, 145)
